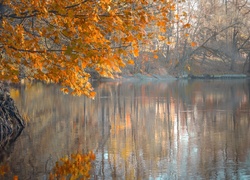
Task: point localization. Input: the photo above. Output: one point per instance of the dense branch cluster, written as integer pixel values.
(59, 41)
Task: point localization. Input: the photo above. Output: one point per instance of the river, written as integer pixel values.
(176, 129)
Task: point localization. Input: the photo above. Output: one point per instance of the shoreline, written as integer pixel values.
(142, 77)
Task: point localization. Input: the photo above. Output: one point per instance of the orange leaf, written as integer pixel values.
(131, 62)
(168, 43)
(65, 90)
(161, 37)
(155, 56)
(187, 25)
(92, 94)
(136, 52)
(172, 8)
(193, 44)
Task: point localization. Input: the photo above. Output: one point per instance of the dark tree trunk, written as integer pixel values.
(11, 123)
(235, 51)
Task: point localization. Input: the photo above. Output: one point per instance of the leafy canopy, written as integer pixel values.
(60, 41)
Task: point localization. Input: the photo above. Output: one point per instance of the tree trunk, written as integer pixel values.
(11, 123)
(235, 51)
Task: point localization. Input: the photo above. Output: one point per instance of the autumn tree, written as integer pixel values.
(173, 41)
(213, 30)
(220, 30)
(61, 41)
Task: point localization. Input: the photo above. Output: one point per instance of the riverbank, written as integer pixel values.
(156, 77)
(195, 69)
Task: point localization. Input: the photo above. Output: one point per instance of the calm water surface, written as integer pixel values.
(152, 130)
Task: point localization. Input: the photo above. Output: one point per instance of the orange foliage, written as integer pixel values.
(155, 56)
(4, 169)
(75, 167)
(58, 41)
(187, 25)
(193, 44)
(131, 62)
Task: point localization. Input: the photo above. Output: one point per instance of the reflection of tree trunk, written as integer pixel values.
(21, 73)
(247, 62)
(248, 59)
(235, 106)
(6, 145)
(134, 127)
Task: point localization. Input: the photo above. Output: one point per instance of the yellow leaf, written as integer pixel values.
(188, 67)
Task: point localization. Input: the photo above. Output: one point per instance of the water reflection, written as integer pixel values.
(154, 130)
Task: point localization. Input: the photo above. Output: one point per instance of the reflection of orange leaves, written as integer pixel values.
(92, 156)
(128, 121)
(76, 166)
(14, 93)
(4, 169)
(15, 178)
(186, 34)
(193, 44)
